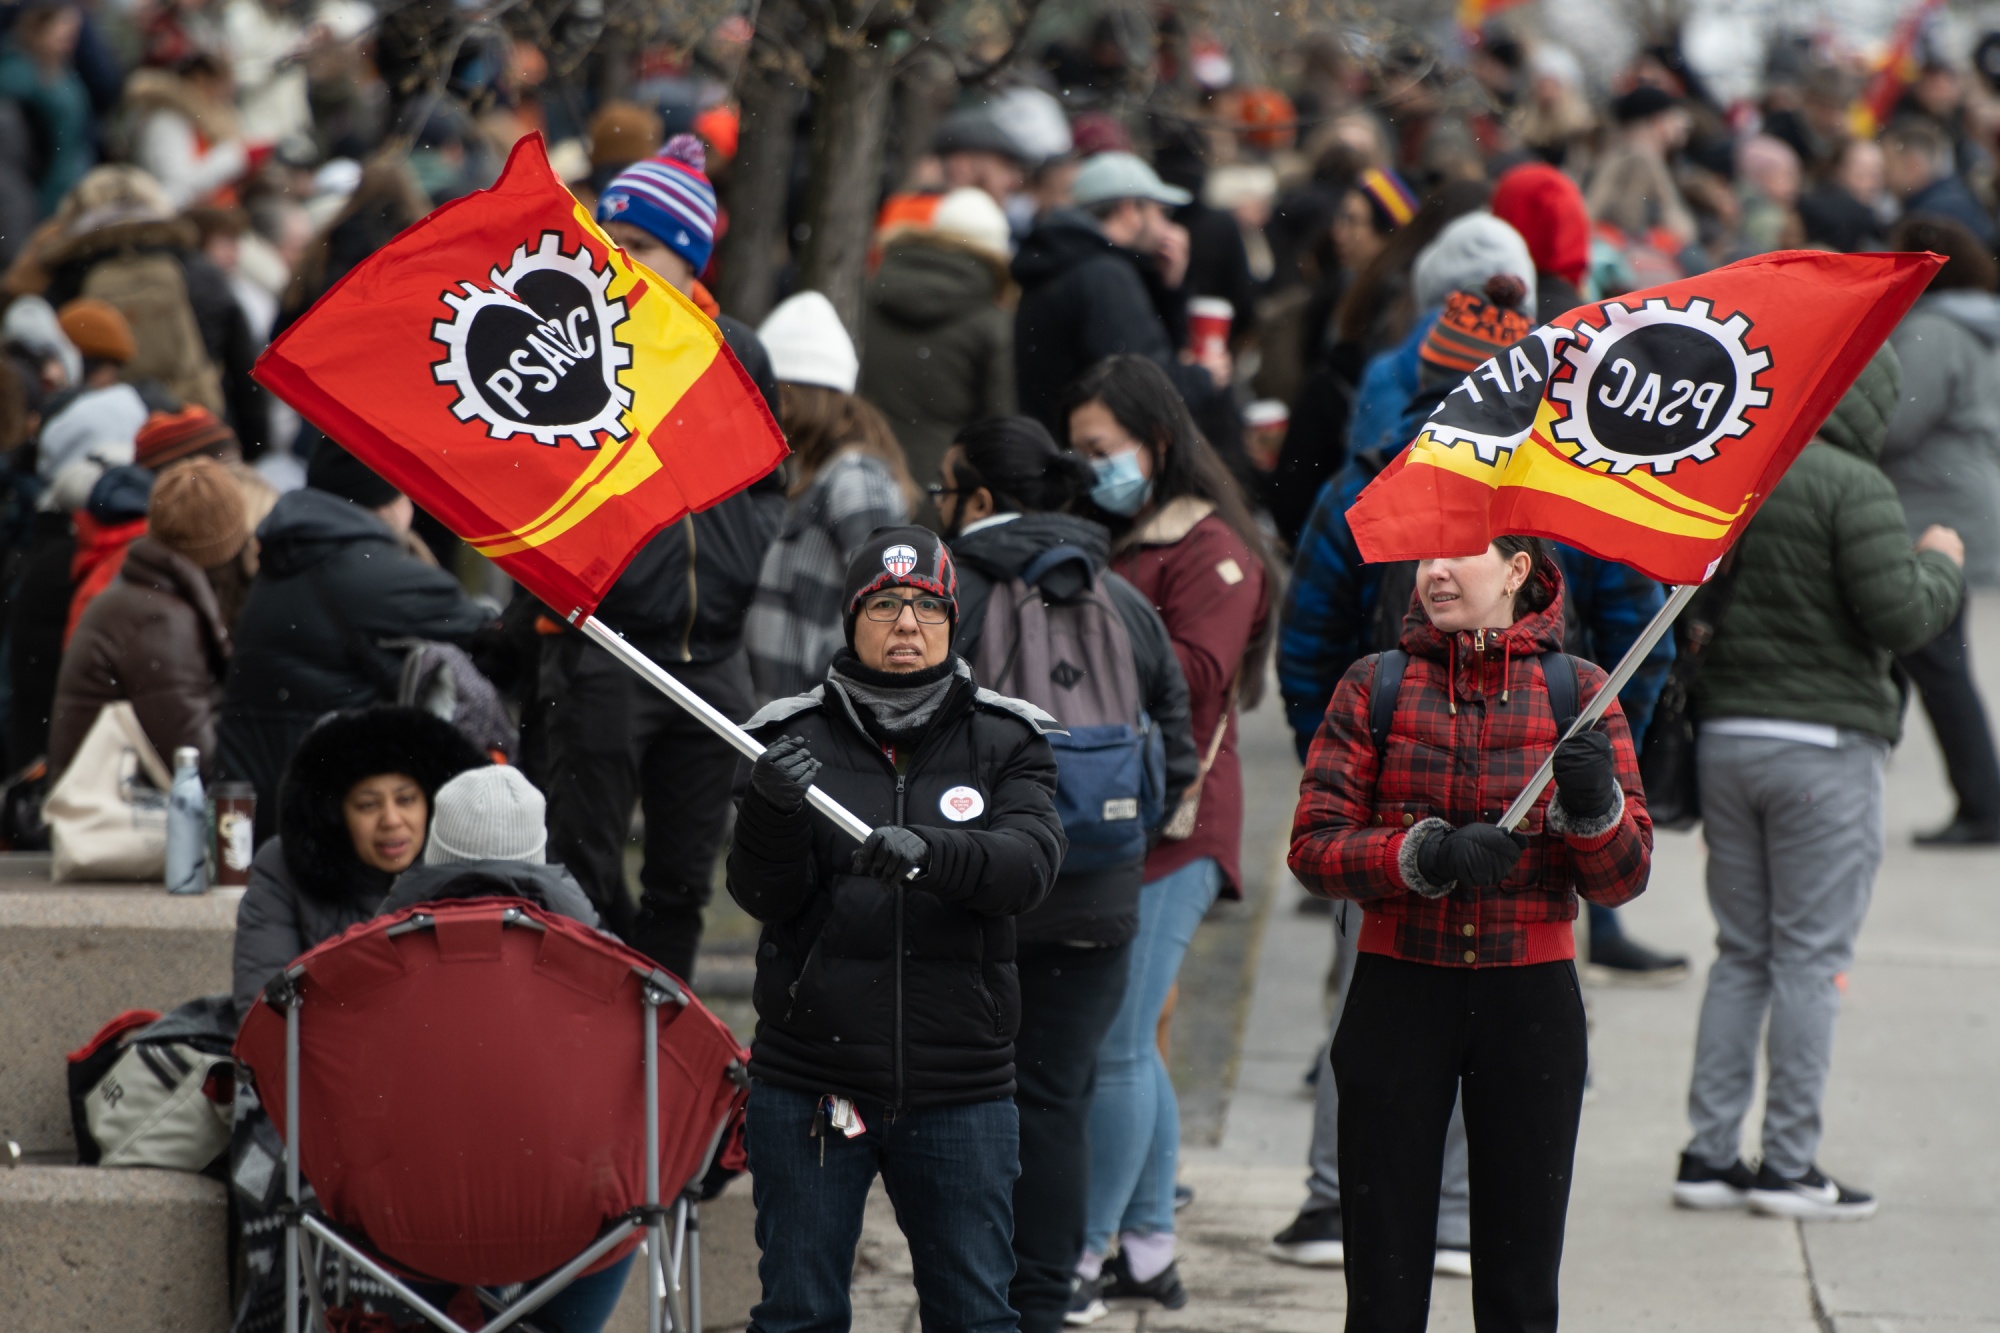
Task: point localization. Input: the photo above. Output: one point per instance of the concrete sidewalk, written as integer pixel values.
(1910, 1113)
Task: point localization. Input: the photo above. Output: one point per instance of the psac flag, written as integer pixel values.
(1647, 429)
(516, 375)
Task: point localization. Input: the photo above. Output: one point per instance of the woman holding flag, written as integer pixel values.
(1467, 972)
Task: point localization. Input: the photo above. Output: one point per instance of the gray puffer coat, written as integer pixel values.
(1943, 448)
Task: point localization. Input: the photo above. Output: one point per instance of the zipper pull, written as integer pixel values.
(1479, 642)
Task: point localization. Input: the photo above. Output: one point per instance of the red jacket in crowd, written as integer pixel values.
(1472, 723)
(1213, 596)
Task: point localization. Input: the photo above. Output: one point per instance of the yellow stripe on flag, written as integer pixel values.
(1540, 464)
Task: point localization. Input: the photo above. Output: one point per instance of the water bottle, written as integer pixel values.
(187, 826)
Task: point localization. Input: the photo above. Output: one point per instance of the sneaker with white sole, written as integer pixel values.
(1452, 1261)
(1313, 1240)
(1712, 1188)
(1812, 1197)
(1086, 1305)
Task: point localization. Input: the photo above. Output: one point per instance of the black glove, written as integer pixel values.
(1476, 856)
(1586, 784)
(891, 853)
(783, 772)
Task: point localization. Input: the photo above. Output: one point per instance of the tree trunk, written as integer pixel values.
(849, 131)
(768, 92)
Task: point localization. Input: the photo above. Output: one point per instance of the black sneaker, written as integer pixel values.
(1621, 961)
(1313, 1240)
(1163, 1287)
(1961, 832)
(1086, 1306)
(1812, 1197)
(1709, 1188)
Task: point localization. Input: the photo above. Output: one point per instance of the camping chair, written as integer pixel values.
(480, 1093)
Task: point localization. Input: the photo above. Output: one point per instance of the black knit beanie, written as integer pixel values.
(899, 557)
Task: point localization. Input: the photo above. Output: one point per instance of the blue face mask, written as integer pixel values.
(1121, 487)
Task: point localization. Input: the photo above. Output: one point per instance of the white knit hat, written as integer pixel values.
(970, 215)
(488, 814)
(1468, 252)
(809, 345)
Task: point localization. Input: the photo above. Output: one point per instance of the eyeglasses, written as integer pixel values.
(887, 606)
(937, 490)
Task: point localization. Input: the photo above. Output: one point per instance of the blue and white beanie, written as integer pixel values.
(669, 197)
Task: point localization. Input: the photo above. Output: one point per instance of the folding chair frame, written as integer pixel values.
(663, 1265)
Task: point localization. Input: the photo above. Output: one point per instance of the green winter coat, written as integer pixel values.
(1827, 587)
(937, 351)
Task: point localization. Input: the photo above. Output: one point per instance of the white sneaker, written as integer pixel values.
(1812, 1197)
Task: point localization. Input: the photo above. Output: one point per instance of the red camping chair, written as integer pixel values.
(482, 1092)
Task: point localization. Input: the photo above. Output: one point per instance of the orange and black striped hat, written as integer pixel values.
(1470, 329)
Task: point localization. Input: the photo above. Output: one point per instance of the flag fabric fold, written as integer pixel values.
(1645, 429)
(519, 377)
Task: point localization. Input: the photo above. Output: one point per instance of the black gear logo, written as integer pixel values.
(1658, 386)
(537, 353)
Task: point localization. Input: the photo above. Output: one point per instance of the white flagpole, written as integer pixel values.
(709, 716)
(1622, 673)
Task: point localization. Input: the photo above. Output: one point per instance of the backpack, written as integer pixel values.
(151, 289)
(1070, 655)
(153, 1090)
(1558, 677)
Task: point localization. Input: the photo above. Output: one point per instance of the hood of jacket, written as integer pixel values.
(1536, 632)
(1859, 422)
(1978, 311)
(924, 283)
(1065, 239)
(546, 886)
(340, 751)
(306, 526)
(149, 564)
(1004, 549)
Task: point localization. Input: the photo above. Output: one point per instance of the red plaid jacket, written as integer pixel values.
(1472, 723)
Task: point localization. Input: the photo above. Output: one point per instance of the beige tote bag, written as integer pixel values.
(107, 815)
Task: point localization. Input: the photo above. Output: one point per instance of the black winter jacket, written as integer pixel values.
(1083, 299)
(684, 596)
(905, 995)
(1095, 907)
(324, 562)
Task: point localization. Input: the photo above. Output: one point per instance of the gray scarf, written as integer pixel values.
(899, 706)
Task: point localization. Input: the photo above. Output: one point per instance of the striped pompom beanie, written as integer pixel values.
(668, 196)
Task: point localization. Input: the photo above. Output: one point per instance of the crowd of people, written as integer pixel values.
(1062, 499)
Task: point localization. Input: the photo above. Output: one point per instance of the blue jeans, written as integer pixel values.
(584, 1306)
(949, 1171)
(1135, 1120)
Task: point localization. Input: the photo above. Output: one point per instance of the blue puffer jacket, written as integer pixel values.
(1328, 621)
(1382, 400)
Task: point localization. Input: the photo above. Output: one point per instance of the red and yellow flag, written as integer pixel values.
(518, 376)
(1646, 429)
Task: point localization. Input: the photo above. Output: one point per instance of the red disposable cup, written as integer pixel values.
(1209, 318)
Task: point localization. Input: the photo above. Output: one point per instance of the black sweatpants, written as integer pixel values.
(1068, 998)
(613, 738)
(1412, 1035)
(1942, 672)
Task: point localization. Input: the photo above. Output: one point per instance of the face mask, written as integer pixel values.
(1121, 487)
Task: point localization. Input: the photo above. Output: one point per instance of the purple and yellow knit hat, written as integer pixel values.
(1390, 199)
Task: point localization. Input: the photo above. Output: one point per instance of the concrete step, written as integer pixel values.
(106, 1251)
(74, 957)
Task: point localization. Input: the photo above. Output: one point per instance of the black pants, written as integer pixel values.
(1410, 1038)
(1942, 672)
(613, 738)
(1068, 998)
